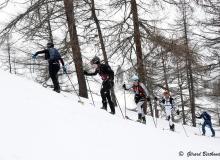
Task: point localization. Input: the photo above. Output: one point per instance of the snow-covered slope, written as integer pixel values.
(39, 124)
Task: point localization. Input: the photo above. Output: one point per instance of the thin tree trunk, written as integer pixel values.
(9, 54)
(93, 10)
(77, 57)
(137, 40)
(179, 76)
(165, 71)
(189, 67)
(96, 20)
(49, 25)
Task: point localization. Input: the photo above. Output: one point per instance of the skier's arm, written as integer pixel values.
(199, 117)
(41, 52)
(173, 104)
(61, 60)
(145, 89)
(91, 74)
(162, 103)
(127, 87)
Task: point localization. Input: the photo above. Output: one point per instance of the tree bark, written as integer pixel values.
(190, 79)
(137, 40)
(96, 20)
(179, 76)
(9, 53)
(165, 71)
(77, 57)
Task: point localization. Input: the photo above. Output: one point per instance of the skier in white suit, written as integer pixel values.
(169, 106)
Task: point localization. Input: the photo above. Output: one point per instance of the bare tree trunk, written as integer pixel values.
(165, 71)
(99, 31)
(49, 25)
(189, 66)
(137, 40)
(179, 76)
(77, 57)
(102, 44)
(9, 54)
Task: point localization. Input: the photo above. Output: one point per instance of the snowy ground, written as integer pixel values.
(39, 124)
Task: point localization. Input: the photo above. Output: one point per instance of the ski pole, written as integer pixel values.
(119, 107)
(153, 114)
(90, 91)
(185, 130)
(80, 101)
(155, 109)
(200, 126)
(125, 104)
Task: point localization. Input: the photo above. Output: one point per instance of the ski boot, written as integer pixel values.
(112, 112)
(144, 120)
(172, 127)
(139, 118)
(104, 106)
(57, 90)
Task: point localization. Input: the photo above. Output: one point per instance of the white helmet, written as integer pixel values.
(134, 78)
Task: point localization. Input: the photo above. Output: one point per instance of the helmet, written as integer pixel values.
(95, 60)
(135, 78)
(50, 45)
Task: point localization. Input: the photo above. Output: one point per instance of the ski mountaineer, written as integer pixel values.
(53, 57)
(168, 104)
(140, 94)
(207, 122)
(107, 75)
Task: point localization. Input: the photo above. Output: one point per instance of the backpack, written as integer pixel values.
(206, 116)
(139, 90)
(53, 54)
(106, 71)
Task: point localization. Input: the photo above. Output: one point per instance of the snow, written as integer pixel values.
(39, 124)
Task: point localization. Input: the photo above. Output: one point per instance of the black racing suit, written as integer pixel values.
(107, 76)
(54, 67)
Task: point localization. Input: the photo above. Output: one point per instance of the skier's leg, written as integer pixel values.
(108, 87)
(56, 70)
(140, 110)
(103, 95)
(53, 69)
(169, 118)
(203, 128)
(213, 131)
(111, 104)
(143, 113)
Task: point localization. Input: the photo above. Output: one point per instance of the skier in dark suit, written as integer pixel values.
(54, 59)
(207, 122)
(107, 75)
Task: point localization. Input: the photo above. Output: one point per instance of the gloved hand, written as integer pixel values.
(85, 72)
(177, 112)
(148, 99)
(123, 86)
(34, 55)
(64, 69)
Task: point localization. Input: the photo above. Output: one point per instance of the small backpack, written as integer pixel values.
(207, 116)
(53, 55)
